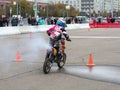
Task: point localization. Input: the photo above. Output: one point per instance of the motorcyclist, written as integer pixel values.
(57, 31)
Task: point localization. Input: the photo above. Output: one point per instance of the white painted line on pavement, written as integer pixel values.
(99, 37)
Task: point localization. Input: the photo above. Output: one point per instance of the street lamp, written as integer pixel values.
(68, 9)
(10, 11)
(16, 3)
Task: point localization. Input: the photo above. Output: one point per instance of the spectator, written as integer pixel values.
(14, 21)
(21, 21)
(7, 21)
(1, 22)
(99, 20)
(68, 21)
(33, 21)
(112, 20)
(94, 22)
(41, 22)
(29, 20)
(48, 20)
(76, 20)
(52, 20)
(55, 20)
(108, 20)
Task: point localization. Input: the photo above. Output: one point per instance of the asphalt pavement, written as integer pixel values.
(27, 74)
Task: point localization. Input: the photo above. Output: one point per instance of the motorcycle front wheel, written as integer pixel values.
(62, 61)
(47, 66)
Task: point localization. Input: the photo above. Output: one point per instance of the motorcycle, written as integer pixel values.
(55, 54)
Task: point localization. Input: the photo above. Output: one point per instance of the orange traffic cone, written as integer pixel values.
(90, 62)
(18, 59)
(30, 35)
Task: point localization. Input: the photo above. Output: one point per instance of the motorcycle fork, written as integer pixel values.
(63, 45)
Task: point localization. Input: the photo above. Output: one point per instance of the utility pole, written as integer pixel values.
(35, 8)
(47, 9)
(89, 9)
(118, 7)
(17, 8)
(103, 7)
(112, 8)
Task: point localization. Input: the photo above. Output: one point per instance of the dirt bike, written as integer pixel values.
(55, 54)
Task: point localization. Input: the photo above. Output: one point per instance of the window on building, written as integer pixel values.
(74, 2)
(66, 2)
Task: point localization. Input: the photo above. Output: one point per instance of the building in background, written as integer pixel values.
(3, 4)
(84, 6)
(89, 6)
(109, 6)
(39, 1)
(74, 3)
(38, 5)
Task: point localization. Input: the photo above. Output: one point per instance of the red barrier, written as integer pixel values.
(104, 25)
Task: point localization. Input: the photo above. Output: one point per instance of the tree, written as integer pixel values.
(93, 13)
(59, 10)
(74, 12)
(105, 13)
(24, 8)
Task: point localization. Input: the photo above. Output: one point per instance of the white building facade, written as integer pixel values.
(91, 5)
(40, 1)
(106, 5)
(88, 5)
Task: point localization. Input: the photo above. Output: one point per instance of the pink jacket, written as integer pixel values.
(55, 31)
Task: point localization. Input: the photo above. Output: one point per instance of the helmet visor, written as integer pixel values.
(65, 25)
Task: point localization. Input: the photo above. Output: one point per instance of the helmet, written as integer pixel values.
(61, 22)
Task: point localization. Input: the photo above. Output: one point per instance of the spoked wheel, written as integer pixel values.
(62, 62)
(47, 66)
